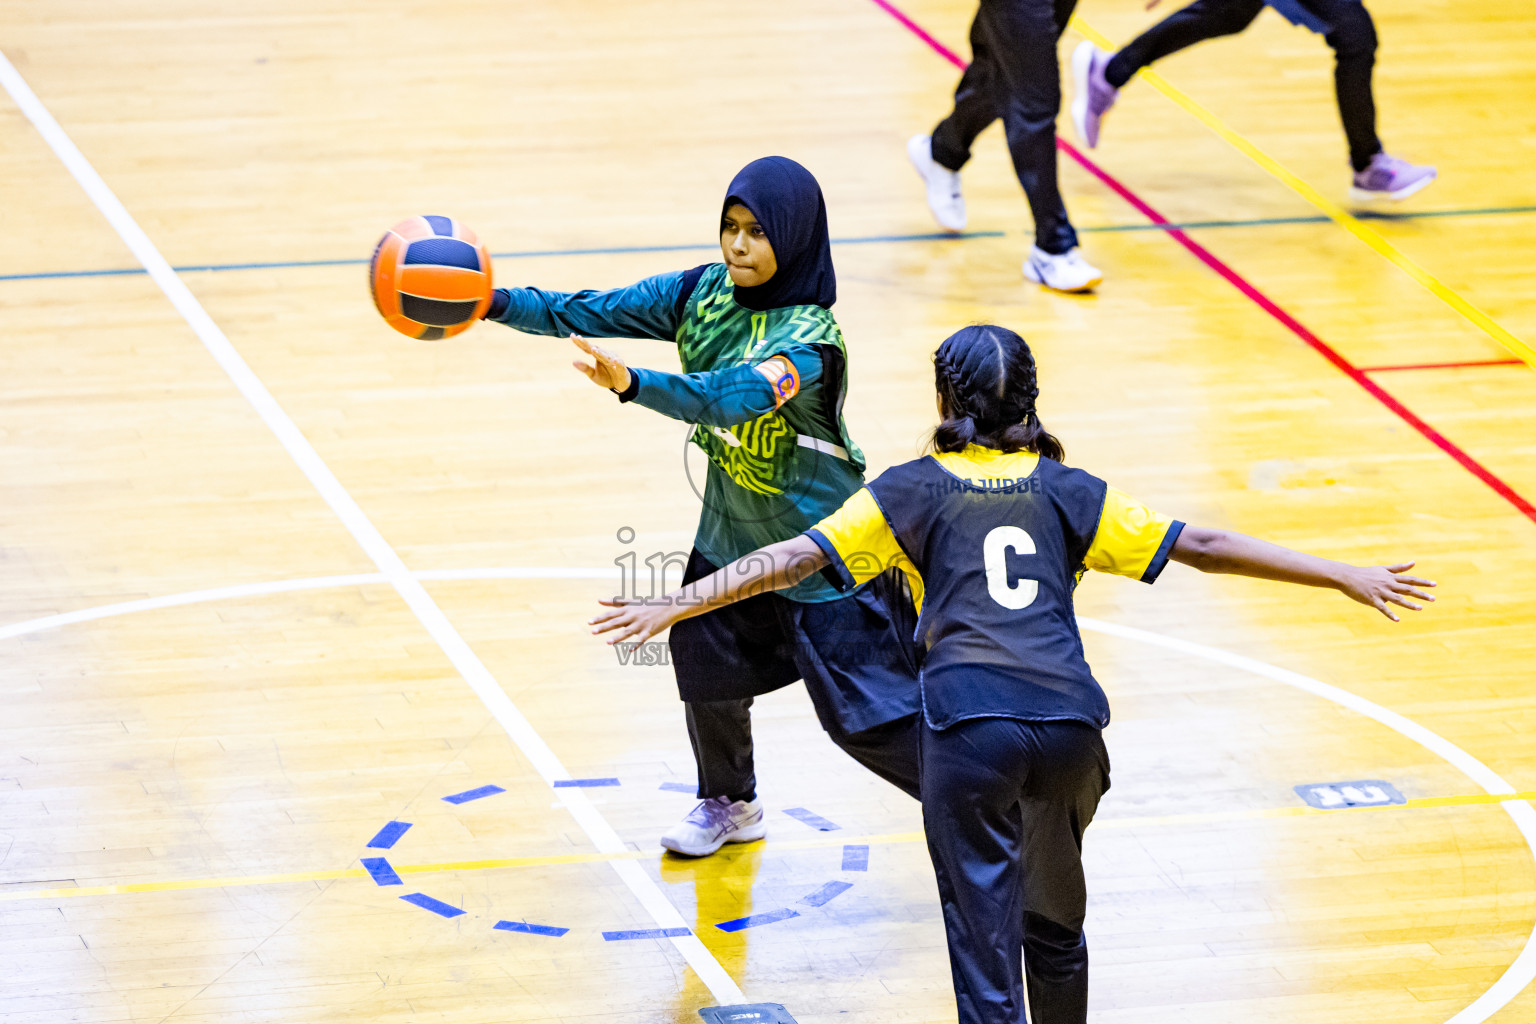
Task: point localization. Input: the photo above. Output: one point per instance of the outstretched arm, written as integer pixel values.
(718, 398)
(1226, 552)
(647, 309)
(775, 567)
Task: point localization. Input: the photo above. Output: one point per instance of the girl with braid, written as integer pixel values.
(994, 533)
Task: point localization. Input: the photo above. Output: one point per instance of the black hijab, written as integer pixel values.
(787, 202)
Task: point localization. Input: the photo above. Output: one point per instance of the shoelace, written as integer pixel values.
(711, 812)
(1064, 259)
(1386, 169)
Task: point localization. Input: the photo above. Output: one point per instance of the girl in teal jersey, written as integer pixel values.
(763, 381)
(994, 534)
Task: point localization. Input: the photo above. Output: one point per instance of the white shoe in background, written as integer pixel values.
(1068, 272)
(1094, 95)
(715, 822)
(1387, 177)
(944, 197)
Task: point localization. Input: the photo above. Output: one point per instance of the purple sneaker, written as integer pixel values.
(1389, 178)
(1093, 96)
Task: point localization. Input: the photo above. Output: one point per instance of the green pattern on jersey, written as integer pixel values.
(717, 333)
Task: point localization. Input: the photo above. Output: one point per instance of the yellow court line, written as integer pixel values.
(881, 839)
(1334, 212)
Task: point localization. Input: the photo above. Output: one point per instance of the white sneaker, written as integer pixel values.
(1387, 177)
(715, 822)
(1068, 272)
(1094, 95)
(944, 197)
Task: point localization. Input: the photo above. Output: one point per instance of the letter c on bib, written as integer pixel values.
(994, 554)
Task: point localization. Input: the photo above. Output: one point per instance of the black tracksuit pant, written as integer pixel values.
(721, 734)
(1351, 33)
(1005, 803)
(1013, 75)
(857, 657)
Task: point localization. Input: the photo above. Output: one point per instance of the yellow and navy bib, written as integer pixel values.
(994, 545)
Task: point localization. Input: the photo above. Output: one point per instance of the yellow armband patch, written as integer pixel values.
(782, 377)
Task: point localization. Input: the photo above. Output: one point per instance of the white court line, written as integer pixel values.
(474, 672)
(1519, 974)
(1522, 971)
(1515, 978)
(149, 604)
(240, 590)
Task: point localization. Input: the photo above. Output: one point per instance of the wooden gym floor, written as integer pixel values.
(231, 651)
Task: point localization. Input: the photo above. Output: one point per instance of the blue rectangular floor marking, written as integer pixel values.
(826, 894)
(584, 783)
(747, 1013)
(1329, 796)
(753, 920)
(855, 858)
(437, 907)
(647, 933)
(382, 873)
(389, 835)
(816, 821)
(679, 787)
(530, 929)
(473, 794)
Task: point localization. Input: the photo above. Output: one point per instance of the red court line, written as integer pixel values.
(1259, 299)
(1443, 366)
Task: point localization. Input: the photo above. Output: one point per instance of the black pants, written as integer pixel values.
(721, 733)
(1005, 804)
(1351, 33)
(1013, 75)
(857, 656)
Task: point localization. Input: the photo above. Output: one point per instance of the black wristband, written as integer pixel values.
(630, 390)
(500, 300)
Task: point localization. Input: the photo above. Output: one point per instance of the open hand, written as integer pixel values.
(608, 370)
(634, 619)
(1381, 585)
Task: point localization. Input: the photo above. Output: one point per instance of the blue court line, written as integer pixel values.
(816, 821)
(679, 787)
(382, 873)
(826, 894)
(753, 920)
(437, 907)
(389, 835)
(647, 933)
(583, 783)
(473, 794)
(934, 236)
(530, 929)
(1263, 222)
(525, 254)
(855, 858)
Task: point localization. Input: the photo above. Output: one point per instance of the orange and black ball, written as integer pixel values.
(430, 277)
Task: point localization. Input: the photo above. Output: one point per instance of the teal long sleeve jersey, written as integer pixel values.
(764, 390)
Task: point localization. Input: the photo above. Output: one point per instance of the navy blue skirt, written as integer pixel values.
(857, 654)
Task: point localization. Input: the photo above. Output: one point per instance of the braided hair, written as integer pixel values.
(985, 377)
